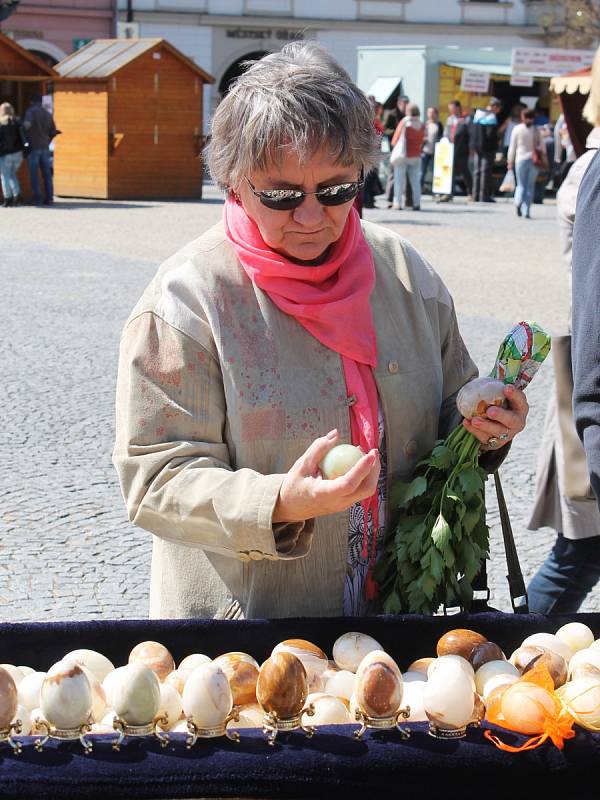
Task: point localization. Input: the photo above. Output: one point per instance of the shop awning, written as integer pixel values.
(580, 81)
(492, 69)
(383, 89)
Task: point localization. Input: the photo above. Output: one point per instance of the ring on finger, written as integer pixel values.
(503, 437)
(493, 441)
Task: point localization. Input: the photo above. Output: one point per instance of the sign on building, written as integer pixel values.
(521, 80)
(549, 61)
(474, 81)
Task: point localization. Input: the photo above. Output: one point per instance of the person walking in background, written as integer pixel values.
(40, 130)
(564, 498)
(525, 149)
(485, 144)
(12, 144)
(457, 131)
(391, 124)
(372, 186)
(409, 137)
(433, 133)
(505, 130)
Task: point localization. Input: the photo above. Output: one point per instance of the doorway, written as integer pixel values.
(238, 68)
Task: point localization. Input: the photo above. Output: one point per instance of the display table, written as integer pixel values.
(332, 764)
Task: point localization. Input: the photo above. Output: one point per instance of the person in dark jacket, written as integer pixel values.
(484, 142)
(12, 143)
(457, 130)
(40, 130)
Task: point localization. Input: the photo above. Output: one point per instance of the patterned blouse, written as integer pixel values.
(355, 604)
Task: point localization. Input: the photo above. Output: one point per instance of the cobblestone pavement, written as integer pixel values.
(70, 276)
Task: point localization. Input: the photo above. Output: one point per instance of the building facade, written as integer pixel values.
(221, 34)
(52, 29)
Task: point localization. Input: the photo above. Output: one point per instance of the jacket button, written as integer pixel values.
(410, 448)
(255, 555)
(393, 367)
(351, 400)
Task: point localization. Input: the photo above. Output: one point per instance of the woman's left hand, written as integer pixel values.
(501, 425)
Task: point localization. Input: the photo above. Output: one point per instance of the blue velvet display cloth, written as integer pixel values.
(331, 765)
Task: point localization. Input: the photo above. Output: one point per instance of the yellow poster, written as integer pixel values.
(442, 167)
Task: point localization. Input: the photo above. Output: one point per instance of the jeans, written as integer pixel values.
(526, 173)
(36, 160)
(566, 577)
(482, 183)
(9, 165)
(412, 168)
(426, 159)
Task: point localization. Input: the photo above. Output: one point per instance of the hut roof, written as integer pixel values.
(21, 63)
(104, 57)
(579, 81)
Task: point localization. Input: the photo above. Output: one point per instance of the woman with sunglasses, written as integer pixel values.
(285, 330)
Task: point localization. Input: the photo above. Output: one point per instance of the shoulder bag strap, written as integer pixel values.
(516, 584)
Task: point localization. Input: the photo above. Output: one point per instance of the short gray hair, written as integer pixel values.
(297, 99)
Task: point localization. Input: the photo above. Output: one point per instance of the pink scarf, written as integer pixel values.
(332, 302)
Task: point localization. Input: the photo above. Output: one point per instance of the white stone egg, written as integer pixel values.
(110, 683)
(194, 660)
(207, 696)
(14, 672)
(25, 671)
(178, 677)
(313, 659)
(170, 705)
(29, 690)
(411, 676)
(414, 698)
(582, 698)
(180, 727)
(98, 693)
(136, 695)
(105, 725)
(99, 665)
(550, 642)
(350, 649)
(22, 716)
(341, 684)
(449, 665)
(251, 716)
(588, 656)
(595, 645)
(329, 710)
(353, 707)
(449, 699)
(489, 670)
(501, 679)
(575, 635)
(66, 696)
(332, 668)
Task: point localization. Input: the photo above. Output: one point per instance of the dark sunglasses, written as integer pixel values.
(287, 199)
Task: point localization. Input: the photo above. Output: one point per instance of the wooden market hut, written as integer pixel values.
(21, 75)
(573, 90)
(130, 112)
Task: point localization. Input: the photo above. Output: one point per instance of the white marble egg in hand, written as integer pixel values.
(66, 696)
(350, 649)
(99, 665)
(378, 686)
(207, 697)
(136, 695)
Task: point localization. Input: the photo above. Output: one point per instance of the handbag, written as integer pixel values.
(540, 156)
(399, 152)
(508, 182)
(577, 484)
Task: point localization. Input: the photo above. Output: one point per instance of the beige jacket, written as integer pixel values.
(219, 392)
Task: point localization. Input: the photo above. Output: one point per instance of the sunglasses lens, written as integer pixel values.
(343, 195)
(281, 203)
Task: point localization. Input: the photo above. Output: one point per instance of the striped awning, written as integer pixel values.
(580, 81)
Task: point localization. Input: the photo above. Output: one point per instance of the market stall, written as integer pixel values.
(573, 90)
(331, 764)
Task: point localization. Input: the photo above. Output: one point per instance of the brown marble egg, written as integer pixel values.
(8, 699)
(524, 655)
(242, 674)
(378, 687)
(421, 665)
(459, 642)
(153, 655)
(555, 664)
(484, 653)
(282, 686)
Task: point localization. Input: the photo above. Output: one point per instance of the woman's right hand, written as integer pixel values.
(305, 493)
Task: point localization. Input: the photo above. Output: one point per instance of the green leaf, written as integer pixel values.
(415, 543)
(433, 563)
(428, 586)
(470, 481)
(393, 604)
(441, 533)
(480, 535)
(402, 493)
(465, 592)
(470, 520)
(442, 457)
